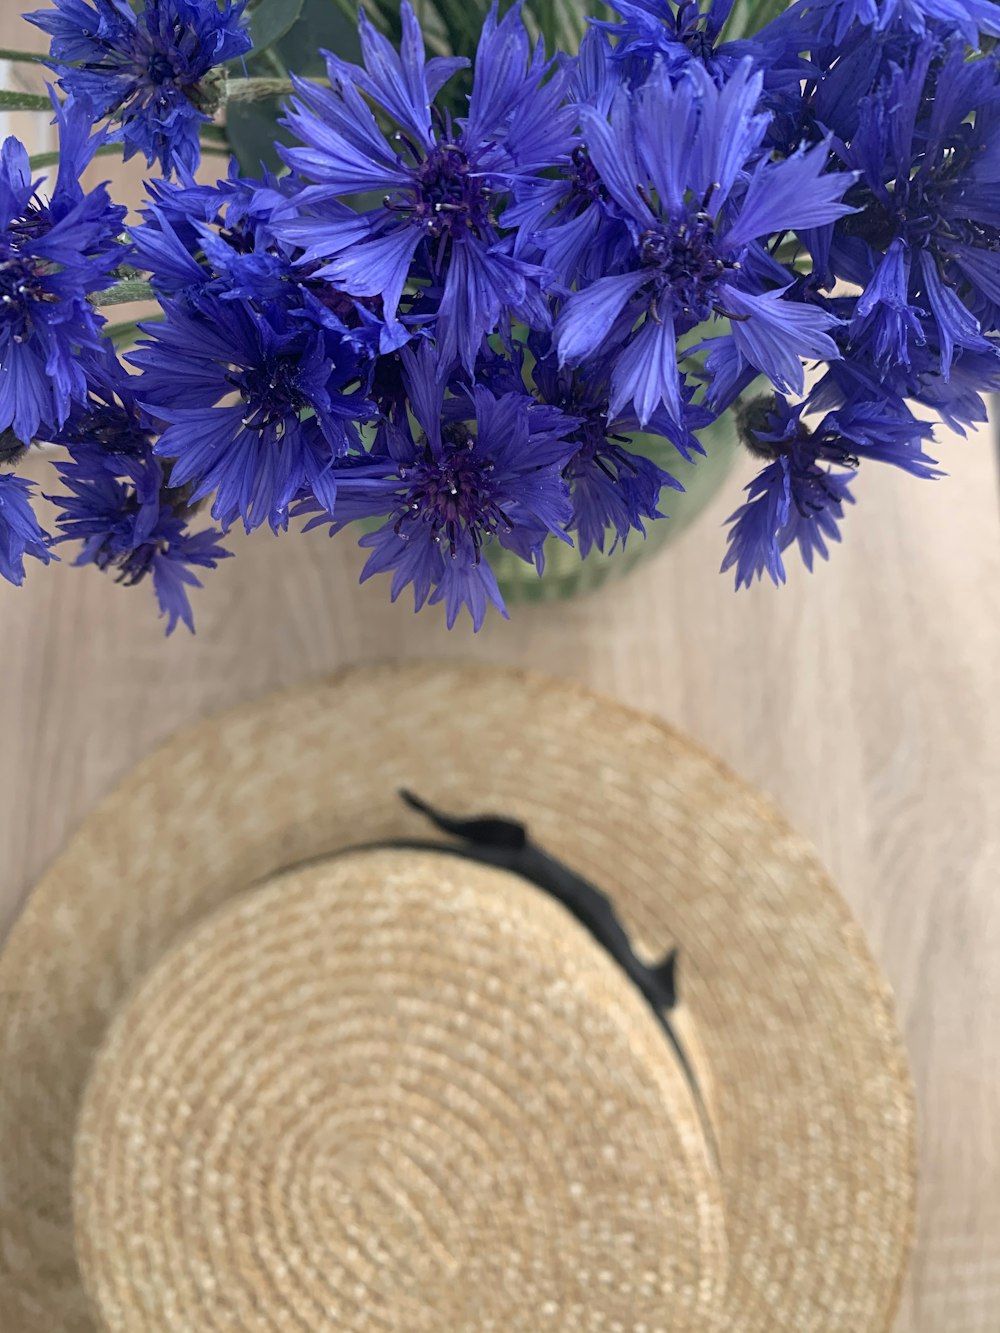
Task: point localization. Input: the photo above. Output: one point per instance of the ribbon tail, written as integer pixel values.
(485, 830)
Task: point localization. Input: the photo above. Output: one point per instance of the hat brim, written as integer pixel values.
(807, 1079)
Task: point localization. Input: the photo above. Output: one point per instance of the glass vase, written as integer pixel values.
(566, 575)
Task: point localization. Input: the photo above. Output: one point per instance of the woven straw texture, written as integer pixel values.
(809, 1088)
(394, 1092)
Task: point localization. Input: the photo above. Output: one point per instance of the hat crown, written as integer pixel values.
(399, 1090)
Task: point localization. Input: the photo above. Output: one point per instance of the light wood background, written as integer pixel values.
(864, 699)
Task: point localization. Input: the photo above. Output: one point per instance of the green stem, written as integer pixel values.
(276, 63)
(10, 101)
(122, 292)
(256, 90)
(22, 57)
(52, 159)
(349, 10)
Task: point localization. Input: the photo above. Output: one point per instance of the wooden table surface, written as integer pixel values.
(864, 699)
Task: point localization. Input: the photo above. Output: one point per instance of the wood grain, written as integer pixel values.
(865, 699)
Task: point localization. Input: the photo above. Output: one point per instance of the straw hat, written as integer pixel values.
(270, 1061)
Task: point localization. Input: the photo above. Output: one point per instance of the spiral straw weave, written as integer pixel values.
(807, 1079)
(394, 1092)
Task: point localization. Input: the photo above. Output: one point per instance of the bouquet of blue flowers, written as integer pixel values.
(444, 284)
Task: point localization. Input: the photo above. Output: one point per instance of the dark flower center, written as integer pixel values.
(453, 494)
(684, 263)
(239, 238)
(598, 450)
(449, 196)
(585, 179)
(921, 209)
(20, 287)
(271, 393)
(159, 68)
(114, 428)
(814, 491)
(699, 44)
(768, 436)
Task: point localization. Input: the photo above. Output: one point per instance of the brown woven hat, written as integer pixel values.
(391, 1088)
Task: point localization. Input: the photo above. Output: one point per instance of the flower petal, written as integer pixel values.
(793, 194)
(587, 317)
(775, 334)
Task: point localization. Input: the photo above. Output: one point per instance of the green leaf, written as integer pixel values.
(452, 27)
(270, 20)
(323, 26)
(23, 101)
(463, 22)
(252, 132)
(747, 17)
(252, 127)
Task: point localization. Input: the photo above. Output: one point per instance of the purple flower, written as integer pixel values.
(795, 499)
(120, 504)
(677, 34)
(481, 468)
(567, 219)
(672, 157)
(53, 254)
(257, 404)
(924, 245)
(613, 488)
(146, 67)
(131, 521)
(443, 184)
(215, 239)
(832, 20)
(20, 531)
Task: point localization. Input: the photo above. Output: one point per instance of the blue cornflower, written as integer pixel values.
(121, 505)
(568, 219)
(148, 68)
(795, 498)
(197, 239)
(20, 532)
(677, 34)
(832, 20)
(257, 404)
(52, 255)
(444, 184)
(481, 468)
(219, 242)
(957, 398)
(613, 489)
(671, 157)
(109, 417)
(129, 520)
(925, 243)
